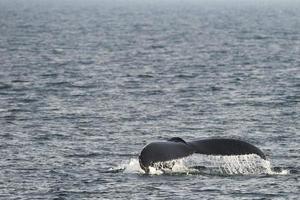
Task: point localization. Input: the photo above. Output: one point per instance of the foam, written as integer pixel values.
(218, 165)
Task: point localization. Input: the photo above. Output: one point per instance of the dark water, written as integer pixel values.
(84, 85)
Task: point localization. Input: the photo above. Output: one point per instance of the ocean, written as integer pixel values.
(85, 85)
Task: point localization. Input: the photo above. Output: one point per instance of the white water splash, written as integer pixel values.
(232, 165)
(222, 165)
(132, 166)
(250, 164)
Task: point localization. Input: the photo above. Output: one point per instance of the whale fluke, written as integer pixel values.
(176, 148)
(225, 147)
(163, 151)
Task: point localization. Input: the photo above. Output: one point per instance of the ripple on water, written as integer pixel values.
(85, 85)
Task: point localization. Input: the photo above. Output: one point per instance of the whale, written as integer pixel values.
(176, 148)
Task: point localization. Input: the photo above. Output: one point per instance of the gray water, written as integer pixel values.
(85, 85)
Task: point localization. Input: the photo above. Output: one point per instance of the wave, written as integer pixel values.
(206, 165)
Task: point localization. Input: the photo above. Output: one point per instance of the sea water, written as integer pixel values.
(86, 84)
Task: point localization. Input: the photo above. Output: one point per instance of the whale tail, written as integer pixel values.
(176, 148)
(225, 147)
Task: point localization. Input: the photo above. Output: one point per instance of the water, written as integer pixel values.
(84, 85)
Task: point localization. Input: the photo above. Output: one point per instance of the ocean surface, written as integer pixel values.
(85, 85)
